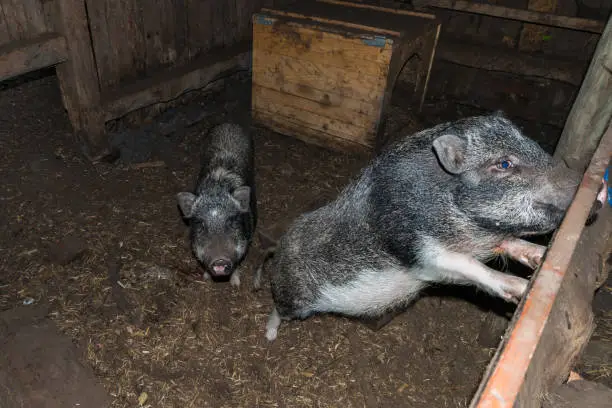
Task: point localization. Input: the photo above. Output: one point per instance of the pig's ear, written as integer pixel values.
(450, 150)
(243, 196)
(185, 202)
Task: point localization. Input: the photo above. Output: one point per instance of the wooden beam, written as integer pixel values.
(514, 62)
(78, 77)
(21, 57)
(554, 320)
(592, 109)
(169, 85)
(526, 16)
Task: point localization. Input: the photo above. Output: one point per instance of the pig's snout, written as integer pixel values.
(559, 190)
(221, 267)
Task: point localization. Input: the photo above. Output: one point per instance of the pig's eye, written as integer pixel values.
(505, 165)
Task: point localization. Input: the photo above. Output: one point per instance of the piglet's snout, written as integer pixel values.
(221, 267)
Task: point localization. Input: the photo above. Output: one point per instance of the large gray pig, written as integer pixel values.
(432, 207)
(222, 211)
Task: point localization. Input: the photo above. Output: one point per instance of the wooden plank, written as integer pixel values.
(20, 57)
(490, 58)
(35, 15)
(78, 75)
(592, 109)
(16, 19)
(311, 120)
(218, 22)
(378, 8)
(199, 20)
(554, 320)
(180, 31)
(320, 96)
(243, 16)
(317, 46)
(159, 32)
(263, 96)
(128, 38)
(362, 18)
(280, 69)
(103, 48)
(553, 20)
(318, 137)
(167, 86)
(112, 23)
(532, 35)
(231, 23)
(5, 36)
(361, 27)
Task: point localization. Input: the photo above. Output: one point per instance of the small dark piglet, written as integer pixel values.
(222, 211)
(432, 207)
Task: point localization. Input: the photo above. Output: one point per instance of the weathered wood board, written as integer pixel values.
(135, 39)
(323, 71)
(20, 57)
(554, 320)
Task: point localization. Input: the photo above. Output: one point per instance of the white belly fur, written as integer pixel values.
(372, 292)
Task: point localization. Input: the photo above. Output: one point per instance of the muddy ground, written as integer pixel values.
(101, 248)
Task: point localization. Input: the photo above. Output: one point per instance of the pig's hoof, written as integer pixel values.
(274, 321)
(515, 289)
(271, 333)
(235, 280)
(532, 260)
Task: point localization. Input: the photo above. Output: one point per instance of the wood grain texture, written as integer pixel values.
(16, 19)
(555, 319)
(200, 27)
(78, 76)
(532, 35)
(218, 16)
(266, 97)
(158, 19)
(592, 110)
(271, 67)
(5, 36)
(20, 57)
(118, 39)
(168, 85)
(317, 46)
(310, 134)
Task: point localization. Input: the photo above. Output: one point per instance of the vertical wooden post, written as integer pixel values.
(78, 76)
(592, 109)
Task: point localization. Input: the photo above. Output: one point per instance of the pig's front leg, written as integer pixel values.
(235, 279)
(525, 252)
(464, 269)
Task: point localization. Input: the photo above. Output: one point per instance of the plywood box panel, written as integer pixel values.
(266, 96)
(330, 67)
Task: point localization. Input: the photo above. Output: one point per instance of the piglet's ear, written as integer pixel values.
(451, 152)
(243, 197)
(186, 202)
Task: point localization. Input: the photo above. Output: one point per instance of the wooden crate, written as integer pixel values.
(323, 71)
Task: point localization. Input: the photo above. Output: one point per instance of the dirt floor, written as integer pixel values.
(103, 250)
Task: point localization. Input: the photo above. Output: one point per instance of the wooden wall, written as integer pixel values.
(133, 39)
(24, 19)
(138, 38)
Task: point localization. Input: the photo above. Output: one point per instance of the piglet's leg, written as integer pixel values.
(460, 268)
(235, 279)
(525, 252)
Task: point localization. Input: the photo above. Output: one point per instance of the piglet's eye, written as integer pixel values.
(505, 165)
